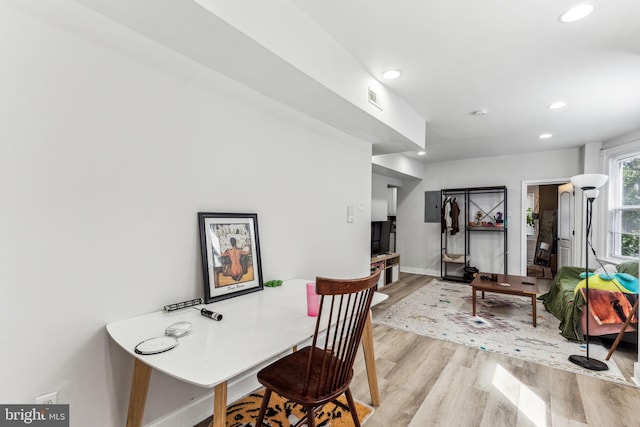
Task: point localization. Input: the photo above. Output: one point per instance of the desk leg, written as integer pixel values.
(370, 361)
(138, 394)
(220, 405)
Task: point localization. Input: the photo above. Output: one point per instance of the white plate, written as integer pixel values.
(156, 345)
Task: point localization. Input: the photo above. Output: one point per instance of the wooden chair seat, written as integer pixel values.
(292, 383)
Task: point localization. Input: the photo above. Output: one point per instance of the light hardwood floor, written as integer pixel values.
(428, 382)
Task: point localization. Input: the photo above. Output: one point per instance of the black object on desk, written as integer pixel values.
(180, 305)
(211, 314)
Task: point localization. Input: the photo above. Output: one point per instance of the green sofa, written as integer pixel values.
(563, 303)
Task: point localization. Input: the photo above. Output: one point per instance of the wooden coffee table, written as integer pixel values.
(515, 287)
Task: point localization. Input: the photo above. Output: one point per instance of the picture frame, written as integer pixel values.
(230, 248)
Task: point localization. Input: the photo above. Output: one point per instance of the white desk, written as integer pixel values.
(268, 322)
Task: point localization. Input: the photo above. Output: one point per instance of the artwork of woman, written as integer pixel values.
(235, 256)
(231, 246)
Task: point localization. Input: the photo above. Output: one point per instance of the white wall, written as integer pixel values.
(623, 139)
(400, 164)
(379, 195)
(419, 242)
(317, 54)
(108, 149)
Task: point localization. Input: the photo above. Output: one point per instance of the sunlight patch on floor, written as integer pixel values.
(521, 396)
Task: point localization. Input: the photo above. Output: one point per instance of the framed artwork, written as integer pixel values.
(230, 254)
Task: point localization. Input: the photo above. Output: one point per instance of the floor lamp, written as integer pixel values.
(589, 183)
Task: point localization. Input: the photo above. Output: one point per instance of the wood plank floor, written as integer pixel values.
(428, 382)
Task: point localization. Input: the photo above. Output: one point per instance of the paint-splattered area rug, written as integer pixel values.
(503, 325)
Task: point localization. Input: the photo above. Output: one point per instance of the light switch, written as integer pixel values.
(350, 217)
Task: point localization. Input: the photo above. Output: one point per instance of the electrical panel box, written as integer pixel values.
(432, 205)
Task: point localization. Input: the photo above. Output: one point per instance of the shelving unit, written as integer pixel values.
(390, 265)
(486, 200)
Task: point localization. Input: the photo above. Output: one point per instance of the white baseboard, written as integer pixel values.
(202, 407)
(187, 415)
(417, 270)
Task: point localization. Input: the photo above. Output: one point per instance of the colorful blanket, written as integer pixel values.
(609, 307)
(566, 304)
(616, 282)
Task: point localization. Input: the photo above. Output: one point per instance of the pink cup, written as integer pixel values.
(313, 300)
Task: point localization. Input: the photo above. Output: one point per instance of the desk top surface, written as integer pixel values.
(256, 327)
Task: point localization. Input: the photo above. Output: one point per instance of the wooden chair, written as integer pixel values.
(320, 373)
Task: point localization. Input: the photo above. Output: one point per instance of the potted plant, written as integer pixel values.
(531, 221)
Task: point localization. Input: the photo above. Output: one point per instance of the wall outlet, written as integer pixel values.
(47, 399)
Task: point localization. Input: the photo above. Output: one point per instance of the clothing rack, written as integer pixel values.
(455, 242)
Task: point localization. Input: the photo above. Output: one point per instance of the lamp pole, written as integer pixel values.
(587, 362)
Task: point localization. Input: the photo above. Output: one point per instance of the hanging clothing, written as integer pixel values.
(445, 215)
(455, 217)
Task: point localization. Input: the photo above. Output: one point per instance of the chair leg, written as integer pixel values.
(302, 421)
(633, 311)
(341, 405)
(311, 417)
(352, 408)
(263, 407)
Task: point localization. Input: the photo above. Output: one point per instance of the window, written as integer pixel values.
(623, 226)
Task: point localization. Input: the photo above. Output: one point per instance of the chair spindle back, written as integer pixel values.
(344, 310)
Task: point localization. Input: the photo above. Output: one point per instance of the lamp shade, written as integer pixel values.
(589, 181)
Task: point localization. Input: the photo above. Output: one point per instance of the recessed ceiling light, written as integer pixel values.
(422, 153)
(576, 13)
(482, 112)
(391, 74)
(545, 136)
(557, 104)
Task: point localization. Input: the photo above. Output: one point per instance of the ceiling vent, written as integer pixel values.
(374, 99)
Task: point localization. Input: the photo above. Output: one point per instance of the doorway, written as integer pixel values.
(547, 227)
